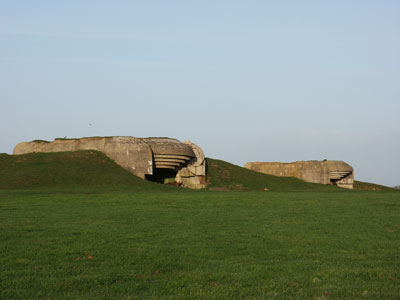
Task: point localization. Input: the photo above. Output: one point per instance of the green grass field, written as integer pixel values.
(115, 238)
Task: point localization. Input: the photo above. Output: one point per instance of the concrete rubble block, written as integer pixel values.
(185, 172)
(194, 182)
(193, 174)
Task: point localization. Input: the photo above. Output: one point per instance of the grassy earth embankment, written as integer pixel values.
(67, 170)
(85, 169)
(366, 186)
(222, 174)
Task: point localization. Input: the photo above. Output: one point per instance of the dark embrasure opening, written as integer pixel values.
(161, 175)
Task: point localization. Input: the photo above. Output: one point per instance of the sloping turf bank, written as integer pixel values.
(366, 186)
(78, 169)
(223, 175)
(93, 169)
(226, 176)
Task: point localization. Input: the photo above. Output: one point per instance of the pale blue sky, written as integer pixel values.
(245, 80)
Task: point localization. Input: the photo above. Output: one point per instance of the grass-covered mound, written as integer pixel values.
(75, 169)
(93, 169)
(226, 176)
(366, 186)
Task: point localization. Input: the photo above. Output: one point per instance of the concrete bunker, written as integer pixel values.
(162, 160)
(169, 157)
(331, 172)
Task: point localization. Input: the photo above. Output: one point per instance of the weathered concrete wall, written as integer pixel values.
(140, 156)
(167, 146)
(325, 172)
